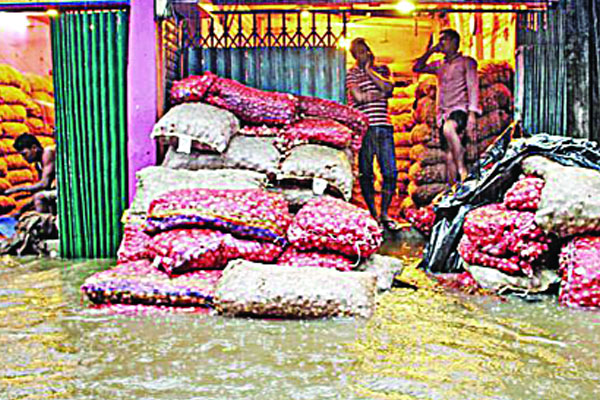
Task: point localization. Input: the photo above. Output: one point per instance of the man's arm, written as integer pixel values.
(48, 174)
(382, 81)
(420, 65)
(360, 96)
(473, 93)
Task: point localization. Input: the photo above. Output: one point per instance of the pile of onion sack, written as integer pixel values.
(505, 236)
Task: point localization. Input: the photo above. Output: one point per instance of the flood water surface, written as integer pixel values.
(421, 344)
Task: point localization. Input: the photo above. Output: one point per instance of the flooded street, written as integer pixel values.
(421, 344)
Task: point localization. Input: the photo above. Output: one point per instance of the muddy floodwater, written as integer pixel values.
(421, 344)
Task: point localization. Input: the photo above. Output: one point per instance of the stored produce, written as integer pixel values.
(580, 271)
(253, 105)
(318, 131)
(139, 282)
(250, 213)
(294, 258)
(331, 224)
(251, 289)
(193, 88)
(205, 125)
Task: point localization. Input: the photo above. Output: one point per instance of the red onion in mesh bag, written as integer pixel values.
(249, 250)
(140, 283)
(491, 72)
(426, 111)
(247, 213)
(192, 88)
(579, 262)
(328, 109)
(294, 258)
(134, 244)
(422, 219)
(318, 131)
(427, 156)
(424, 194)
(402, 139)
(422, 174)
(331, 224)
(183, 250)
(504, 234)
(253, 105)
(260, 130)
(525, 194)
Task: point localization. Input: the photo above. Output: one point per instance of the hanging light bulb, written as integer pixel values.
(52, 13)
(406, 6)
(344, 43)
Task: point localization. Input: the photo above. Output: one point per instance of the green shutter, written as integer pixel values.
(309, 71)
(89, 50)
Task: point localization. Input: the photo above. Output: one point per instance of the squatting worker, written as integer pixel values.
(457, 98)
(368, 88)
(44, 198)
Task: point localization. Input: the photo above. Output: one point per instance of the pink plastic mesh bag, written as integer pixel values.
(193, 88)
(318, 131)
(328, 223)
(249, 213)
(253, 105)
(580, 270)
(134, 244)
(182, 250)
(140, 283)
(293, 257)
(525, 194)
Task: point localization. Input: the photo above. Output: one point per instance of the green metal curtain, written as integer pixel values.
(89, 51)
(316, 71)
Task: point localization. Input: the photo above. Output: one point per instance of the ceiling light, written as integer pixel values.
(406, 6)
(52, 13)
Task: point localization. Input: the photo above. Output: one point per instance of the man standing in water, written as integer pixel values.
(457, 98)
(368, 89)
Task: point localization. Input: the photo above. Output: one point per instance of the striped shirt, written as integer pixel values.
(375, 110)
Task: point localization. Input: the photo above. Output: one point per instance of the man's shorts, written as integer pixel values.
(460, 117)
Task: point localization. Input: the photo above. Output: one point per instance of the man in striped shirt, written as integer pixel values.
(368, 89)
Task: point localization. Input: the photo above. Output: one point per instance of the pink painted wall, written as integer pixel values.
(25, 43)
(141, 88)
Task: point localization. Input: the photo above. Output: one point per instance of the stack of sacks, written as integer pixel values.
(294, 140)
(425, 95)
(40, 110)
(428, 171)
(580, 270)
(328, 232)
(505, 236)
(176, 256)
(15, 170)
(496, 101)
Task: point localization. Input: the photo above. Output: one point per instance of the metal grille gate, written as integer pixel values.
(291, 51)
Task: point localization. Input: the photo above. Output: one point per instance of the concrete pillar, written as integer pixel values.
(141, 88)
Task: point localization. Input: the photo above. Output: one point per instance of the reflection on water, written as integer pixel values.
(422, 344)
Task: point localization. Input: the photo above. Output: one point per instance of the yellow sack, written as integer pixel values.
(43, 96)
(19, 176)
(6, 145)
(4, 184)
(16, 161)
(12, 95)
(46, 141)
(12, 113)
(14, 129)
(3, 167)
(36, 125)
(10, 76)
(34, 109)
(7, 205)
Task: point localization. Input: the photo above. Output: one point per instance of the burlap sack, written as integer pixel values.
(252, 289)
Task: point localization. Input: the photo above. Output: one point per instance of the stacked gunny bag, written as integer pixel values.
(249, 212)
(21, 112)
